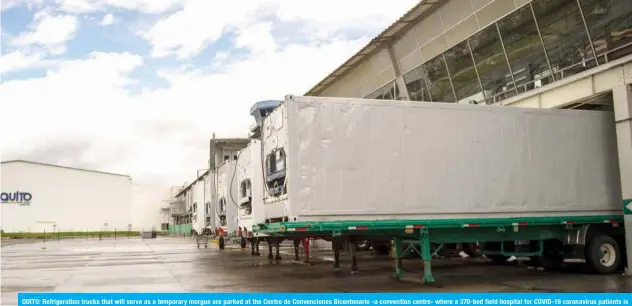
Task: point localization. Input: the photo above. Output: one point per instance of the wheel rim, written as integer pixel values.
(607, 255)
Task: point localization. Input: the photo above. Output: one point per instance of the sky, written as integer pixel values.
(138, 86)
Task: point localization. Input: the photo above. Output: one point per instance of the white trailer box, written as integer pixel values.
(250, 179)
(330, 159)
(225, 203)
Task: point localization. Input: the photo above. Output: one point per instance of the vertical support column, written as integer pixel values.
(297, 243)
(622, 99)
(306, 246)
(399, 78)
(397, 246)
(426, 255)
(335, 244)
(352, 251)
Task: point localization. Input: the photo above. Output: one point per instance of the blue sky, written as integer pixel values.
(138, 86)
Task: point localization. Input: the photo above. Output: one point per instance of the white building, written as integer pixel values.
(40, 197)
(150, 208)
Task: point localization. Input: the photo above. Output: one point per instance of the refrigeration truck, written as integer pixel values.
(250, 180)
(537, 183)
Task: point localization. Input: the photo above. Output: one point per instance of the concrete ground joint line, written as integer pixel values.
(163, 265)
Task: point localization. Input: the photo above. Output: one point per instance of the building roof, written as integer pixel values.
(393, 31)
(63, 167)
(185, 189)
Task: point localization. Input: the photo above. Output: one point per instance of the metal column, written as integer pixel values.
(399, 78)
(622, 99)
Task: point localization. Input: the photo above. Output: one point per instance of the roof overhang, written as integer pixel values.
(391, 33)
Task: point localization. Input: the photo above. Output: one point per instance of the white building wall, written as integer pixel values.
(64, 199)
(147, 203)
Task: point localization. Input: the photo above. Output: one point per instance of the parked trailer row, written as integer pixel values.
(537, 183)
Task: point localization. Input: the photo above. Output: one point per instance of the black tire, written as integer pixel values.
(603, 254)
(222, 243)
(244, 243)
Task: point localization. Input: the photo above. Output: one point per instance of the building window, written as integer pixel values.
(492, 65)
(524, 50)
(439, 84)
(416, 84)
(463, 74)
(564, 35)
(610, 24)
(386, 92)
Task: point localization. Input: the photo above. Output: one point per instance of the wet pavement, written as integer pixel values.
(177, 265)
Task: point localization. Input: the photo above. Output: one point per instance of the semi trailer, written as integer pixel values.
(537, 183)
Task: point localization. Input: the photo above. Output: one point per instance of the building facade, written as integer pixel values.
(40, 197)
(483, 51)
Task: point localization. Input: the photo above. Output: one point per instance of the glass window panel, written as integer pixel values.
(416, 85)
(375, 95)
(492, 65)
(524, 50)
(564, 36)
(386, 92)
(610, 24)
(462, 72)
(438, 81)
(389, 91)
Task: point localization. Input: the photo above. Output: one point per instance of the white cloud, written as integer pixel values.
(162, 134)
(90, 6)
(327, 17)
(48, 30)
(107, 19)
(19, 60)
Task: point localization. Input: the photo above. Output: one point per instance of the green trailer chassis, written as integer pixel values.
(419, 236)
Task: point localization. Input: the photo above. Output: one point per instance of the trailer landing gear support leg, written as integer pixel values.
(257, 240)
(399, 271)
(252, 247)
(336, 246)
(352, 252)
(270, 257)
(297, 244)
(426, 255)
(306, 247)
(278, 251)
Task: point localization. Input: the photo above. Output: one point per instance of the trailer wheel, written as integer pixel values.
(221, 243)
(603, 254)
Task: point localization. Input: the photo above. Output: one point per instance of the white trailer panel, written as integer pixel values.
(352, 159)
(225, 203)
(251, 188)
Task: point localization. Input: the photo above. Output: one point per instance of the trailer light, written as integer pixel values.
(357, 228)
(301, 229)
(568, 222)
(613, 222)
(520, 224)
(409, 230)
(415, 226)
(283, 228)
(470, 225)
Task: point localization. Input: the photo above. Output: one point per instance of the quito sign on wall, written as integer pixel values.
(18, 197)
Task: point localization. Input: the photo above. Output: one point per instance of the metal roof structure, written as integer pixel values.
(63, 167)
(393, 31)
